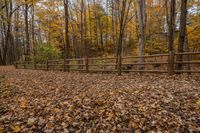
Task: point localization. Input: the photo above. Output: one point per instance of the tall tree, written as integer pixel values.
(85, 29)
(27, 31)
(142, 30)
(182, 35)
(124, 8)
(67, 45)
(171, 35)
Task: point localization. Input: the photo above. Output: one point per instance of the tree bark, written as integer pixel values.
(182, 35)
(171, 37)
(142, 30)
(67, 45)
(66, 29)
(27, 31)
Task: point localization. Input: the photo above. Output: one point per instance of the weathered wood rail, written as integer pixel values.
(158, 63)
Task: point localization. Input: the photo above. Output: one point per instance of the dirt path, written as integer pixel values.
(40, 101)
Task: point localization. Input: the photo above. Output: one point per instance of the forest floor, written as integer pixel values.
(47, 101)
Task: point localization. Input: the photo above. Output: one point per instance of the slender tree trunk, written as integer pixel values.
(123, 21)
(171, 36)
(67, 45)
(187, 49)
(107, 15)
(142, 30)
(167, 20)
(17, 36)
(27, 31)
(85, 31)
(96, 26)
(33, 29)
(113, 27)
(182, 35)
(90, 24)
(81, 28)
(151, 23)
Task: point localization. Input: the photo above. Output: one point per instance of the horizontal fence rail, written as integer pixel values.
(158, 63)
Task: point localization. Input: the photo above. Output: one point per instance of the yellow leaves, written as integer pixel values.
(133, 125)
(142, 108)
(16, 129)
(71, 108)
(56, 110)
(99, 102)
(101, 111)
(137, 91)
(198, 102)
(23, 103)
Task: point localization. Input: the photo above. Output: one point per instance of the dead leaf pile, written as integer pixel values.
(47, 101)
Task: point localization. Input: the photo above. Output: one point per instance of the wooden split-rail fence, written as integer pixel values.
(158, 63)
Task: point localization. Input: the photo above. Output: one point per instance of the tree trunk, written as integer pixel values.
(67, 45)
(90, 24)
(187, 49)
(183, 19)
(142, 30)
(123, 21)
(96, 26)
(171, 36)
(27, 31)
(33, 30)
(107, 15)
(113, 27)
(85, 31)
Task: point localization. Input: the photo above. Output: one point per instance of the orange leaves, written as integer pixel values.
(86, 103)
(23, 103)
(111, 115)
(56, 110)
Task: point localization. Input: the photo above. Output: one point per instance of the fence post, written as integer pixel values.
(15, 64)
(171, 63)
(24, 64)
(34, 64)
(104, 61)
(47, 65)
(86, 64)
(119, 64)
(64, 65)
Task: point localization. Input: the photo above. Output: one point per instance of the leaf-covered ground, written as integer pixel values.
(41, 101)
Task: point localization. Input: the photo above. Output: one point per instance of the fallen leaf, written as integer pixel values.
(31, 121)
(16, 129)
(110, 115)
(99, 102)
(198, 102)
(133, 125)
(57, 110)
(1, 130)
(23, 103)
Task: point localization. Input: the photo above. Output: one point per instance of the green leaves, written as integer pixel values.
(46, 51)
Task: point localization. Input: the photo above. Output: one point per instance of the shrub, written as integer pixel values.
(46, 51)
